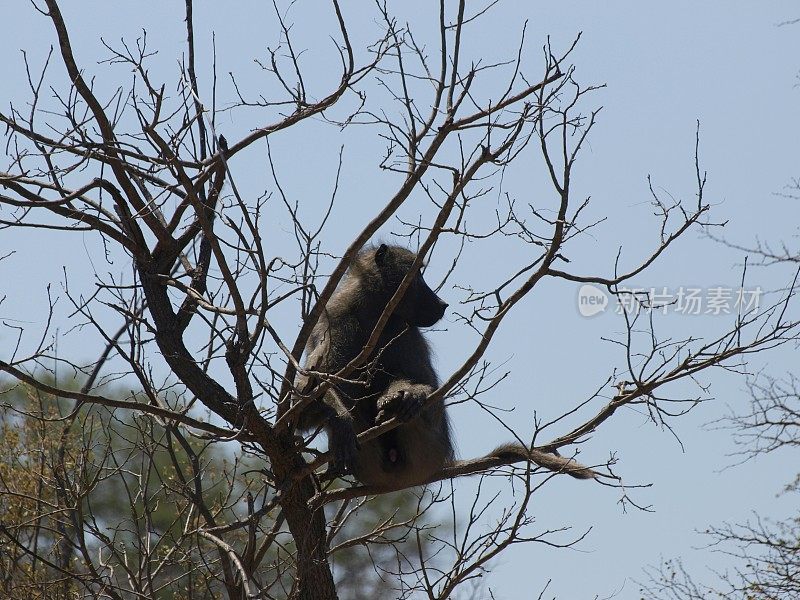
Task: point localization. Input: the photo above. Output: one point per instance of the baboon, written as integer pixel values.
(394, 381)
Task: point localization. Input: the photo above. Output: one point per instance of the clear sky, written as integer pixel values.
(666, 65)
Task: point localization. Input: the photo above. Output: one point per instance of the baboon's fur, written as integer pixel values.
(395, 380)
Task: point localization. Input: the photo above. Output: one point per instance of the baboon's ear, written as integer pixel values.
(380, 255)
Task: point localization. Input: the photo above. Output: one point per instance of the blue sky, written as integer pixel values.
(666, 66)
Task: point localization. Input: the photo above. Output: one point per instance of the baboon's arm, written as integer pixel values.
(329, 411)
(318, 412)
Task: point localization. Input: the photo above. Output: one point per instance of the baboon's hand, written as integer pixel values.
(404, 404)
(344, 445)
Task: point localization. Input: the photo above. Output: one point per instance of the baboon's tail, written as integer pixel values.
(511, 453)
(548, 460)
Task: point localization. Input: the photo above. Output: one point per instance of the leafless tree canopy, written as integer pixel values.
(186, 284)
(764, 552)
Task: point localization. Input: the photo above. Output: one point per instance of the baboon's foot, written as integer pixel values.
(404, 404)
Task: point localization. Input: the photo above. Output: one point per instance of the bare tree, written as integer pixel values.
(149, 181)
(764, 553)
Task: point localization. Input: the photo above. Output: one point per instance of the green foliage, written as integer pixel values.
(92, 496)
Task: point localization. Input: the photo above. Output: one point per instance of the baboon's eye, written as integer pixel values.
(380, 254)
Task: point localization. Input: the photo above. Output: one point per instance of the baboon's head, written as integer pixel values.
(420, 306)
